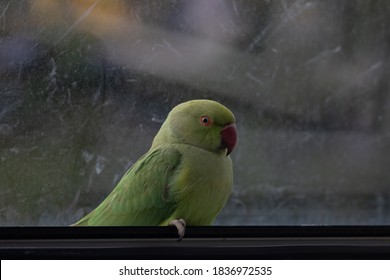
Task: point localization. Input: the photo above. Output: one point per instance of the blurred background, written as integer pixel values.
(85, 86)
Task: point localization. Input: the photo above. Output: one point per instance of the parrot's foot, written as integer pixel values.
(181, 227)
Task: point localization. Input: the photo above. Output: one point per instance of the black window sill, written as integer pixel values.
(214, 242)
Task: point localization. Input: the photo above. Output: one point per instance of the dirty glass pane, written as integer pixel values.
(85, 85)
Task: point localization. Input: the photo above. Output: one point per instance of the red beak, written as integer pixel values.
(229, 138)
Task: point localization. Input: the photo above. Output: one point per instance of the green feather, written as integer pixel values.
(138, 197)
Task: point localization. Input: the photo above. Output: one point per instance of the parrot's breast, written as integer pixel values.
(201, 186)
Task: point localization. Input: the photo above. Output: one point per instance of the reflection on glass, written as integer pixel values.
(85, 86)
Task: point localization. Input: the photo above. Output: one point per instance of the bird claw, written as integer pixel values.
(180, 224)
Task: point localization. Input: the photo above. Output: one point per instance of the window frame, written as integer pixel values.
(206, 242)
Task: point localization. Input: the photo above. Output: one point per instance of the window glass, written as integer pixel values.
(85, 86)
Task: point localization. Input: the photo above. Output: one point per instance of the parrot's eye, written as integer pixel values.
(205, 120)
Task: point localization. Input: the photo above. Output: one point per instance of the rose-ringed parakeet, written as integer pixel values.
(185, 178)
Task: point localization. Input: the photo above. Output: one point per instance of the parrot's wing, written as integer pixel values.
(142, 195)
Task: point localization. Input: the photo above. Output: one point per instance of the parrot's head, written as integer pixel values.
(202, 123)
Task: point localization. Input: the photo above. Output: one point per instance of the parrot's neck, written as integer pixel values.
(163, 137)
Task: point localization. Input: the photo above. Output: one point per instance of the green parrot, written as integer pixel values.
(185, 178)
